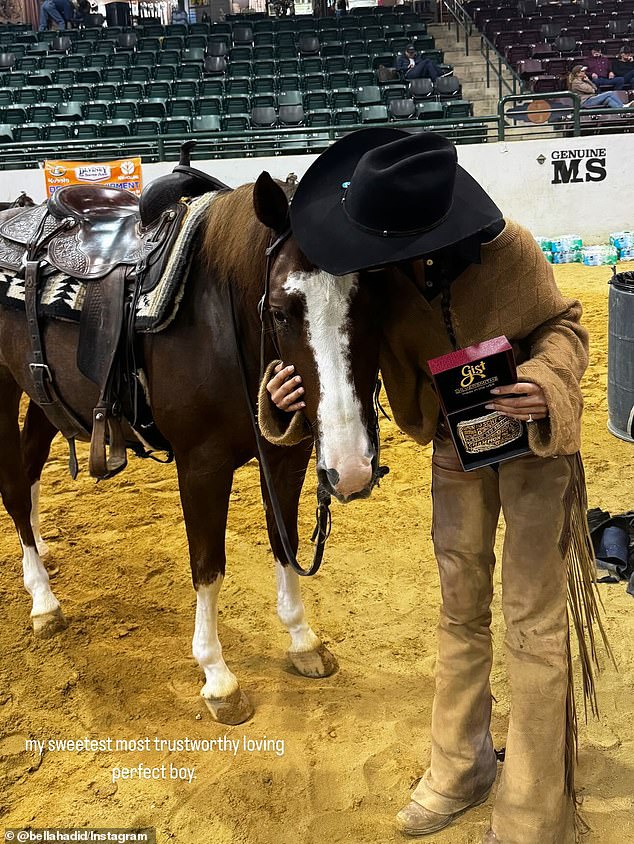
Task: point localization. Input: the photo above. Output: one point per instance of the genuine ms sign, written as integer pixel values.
(578, 165)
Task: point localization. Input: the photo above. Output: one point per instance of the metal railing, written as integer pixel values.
(457, 15)
(519, 117)
(557, 114)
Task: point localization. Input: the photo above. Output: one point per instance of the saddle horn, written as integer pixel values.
(184, 180)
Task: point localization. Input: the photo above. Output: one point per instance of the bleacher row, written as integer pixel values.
(229, 76)
(543, 41)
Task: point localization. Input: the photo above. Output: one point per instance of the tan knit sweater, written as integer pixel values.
(511, 292)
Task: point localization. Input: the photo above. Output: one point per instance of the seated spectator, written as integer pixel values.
(179, 15)
(411, 65)
(83, 9)
(623, 65)
(60, 12)
(580, 83)
(341, 8)
(600, 72)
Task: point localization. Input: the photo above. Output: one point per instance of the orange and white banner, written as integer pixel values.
(125, 173)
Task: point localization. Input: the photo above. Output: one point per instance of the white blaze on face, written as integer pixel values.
(344, 443)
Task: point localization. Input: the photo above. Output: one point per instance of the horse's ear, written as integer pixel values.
(270, 203)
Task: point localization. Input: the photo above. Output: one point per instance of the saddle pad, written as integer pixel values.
(62, 297)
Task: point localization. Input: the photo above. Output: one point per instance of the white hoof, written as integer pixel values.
(318, 663)
(234, 709)
(48, 624)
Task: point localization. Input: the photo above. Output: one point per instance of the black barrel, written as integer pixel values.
(621, 356)
(118, 14)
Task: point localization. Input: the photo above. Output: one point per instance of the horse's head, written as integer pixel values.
(328, 327)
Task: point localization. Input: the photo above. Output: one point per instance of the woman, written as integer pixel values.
(457, 273)
(580, 83)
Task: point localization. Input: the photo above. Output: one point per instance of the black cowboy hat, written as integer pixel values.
(380, 196)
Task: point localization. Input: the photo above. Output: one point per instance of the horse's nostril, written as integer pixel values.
(333, 477)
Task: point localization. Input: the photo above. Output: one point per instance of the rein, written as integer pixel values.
(323, 519)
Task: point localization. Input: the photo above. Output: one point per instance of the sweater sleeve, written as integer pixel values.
(277, 426)
(557, 360)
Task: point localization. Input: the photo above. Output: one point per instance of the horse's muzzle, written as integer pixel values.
(352, 479)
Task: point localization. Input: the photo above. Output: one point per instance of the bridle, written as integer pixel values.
(323, 517)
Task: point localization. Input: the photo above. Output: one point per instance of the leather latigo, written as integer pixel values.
(487, 433)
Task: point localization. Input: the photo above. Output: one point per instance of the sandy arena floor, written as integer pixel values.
(354, 742)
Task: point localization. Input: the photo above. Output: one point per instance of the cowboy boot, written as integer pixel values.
(416, 820)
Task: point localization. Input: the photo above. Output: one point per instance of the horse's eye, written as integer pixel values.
(279, 317)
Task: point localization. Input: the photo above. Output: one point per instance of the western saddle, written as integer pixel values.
(116, 243)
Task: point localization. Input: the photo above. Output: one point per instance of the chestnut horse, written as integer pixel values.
(195, 391)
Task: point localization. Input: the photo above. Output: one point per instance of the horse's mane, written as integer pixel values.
(235, 241)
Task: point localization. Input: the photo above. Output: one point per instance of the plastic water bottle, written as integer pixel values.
(567, 243)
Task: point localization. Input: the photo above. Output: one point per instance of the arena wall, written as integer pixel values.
(559, 186)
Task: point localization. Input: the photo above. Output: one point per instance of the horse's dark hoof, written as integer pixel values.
(234, 709)
(317, 663)
(47, 625)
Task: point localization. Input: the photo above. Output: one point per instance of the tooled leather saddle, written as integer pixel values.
(113, 241)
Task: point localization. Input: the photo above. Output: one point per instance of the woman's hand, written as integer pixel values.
(285, 389)
(529, 406)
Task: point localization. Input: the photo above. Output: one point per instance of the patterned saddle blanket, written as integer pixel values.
(72, 261)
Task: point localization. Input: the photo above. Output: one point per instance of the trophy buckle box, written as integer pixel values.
(464, 380)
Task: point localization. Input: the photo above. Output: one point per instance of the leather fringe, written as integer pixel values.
(584, 610)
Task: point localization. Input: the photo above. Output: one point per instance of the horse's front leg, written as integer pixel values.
(37, 436)
(309, 656)
(16, 491)
(205, 485)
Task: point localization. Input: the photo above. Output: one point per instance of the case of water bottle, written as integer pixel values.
(624, 243)
(600, 255)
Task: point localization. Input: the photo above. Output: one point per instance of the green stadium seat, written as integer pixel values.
(42, 113)
(117, 60)
(164, 73)
(263, 40)
(185, 88)
(125, 91)
(209, 106)
(71, 111)
(312, 64)
(342, 98)
(235, 123)
(319, 117)
(288, 67)
(58, 132)
(97, 111)
(176, 126)
(339, 79)
(116, 128)
(285, 51)
(394, 92)
(154, 108)
(180, 108)
(264, 67)
(291, 98)
(29, 133)
(289, 82)
(196, 41)
(211, 88)
(328, 35)
(15, 115)
(402, 109)
(385, 59)
(265, 100)
(206, 123)
(263, 118)
(369, 95)
(66, 78)
(264, 84)
(191, 72)
(346, 117)
(457, 108)
(123, 110)
(83, 93)
(314, 82)
(57, 93)
(174, 42)
(373, 114)
(241, 54)
(27, 95)
(357, 63)
(237, 105)
(199, 28)
(150, 127)
(16, 79)
(74, 62)
(139, 73)
(316, 101)
(6, 133)
(291, 115)
(363, 78)
(6, 97)
(193, 54)
(29, 64)
(241, 68)
(429, 110)
(176, 30)
(158, 90)
(94, 77)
